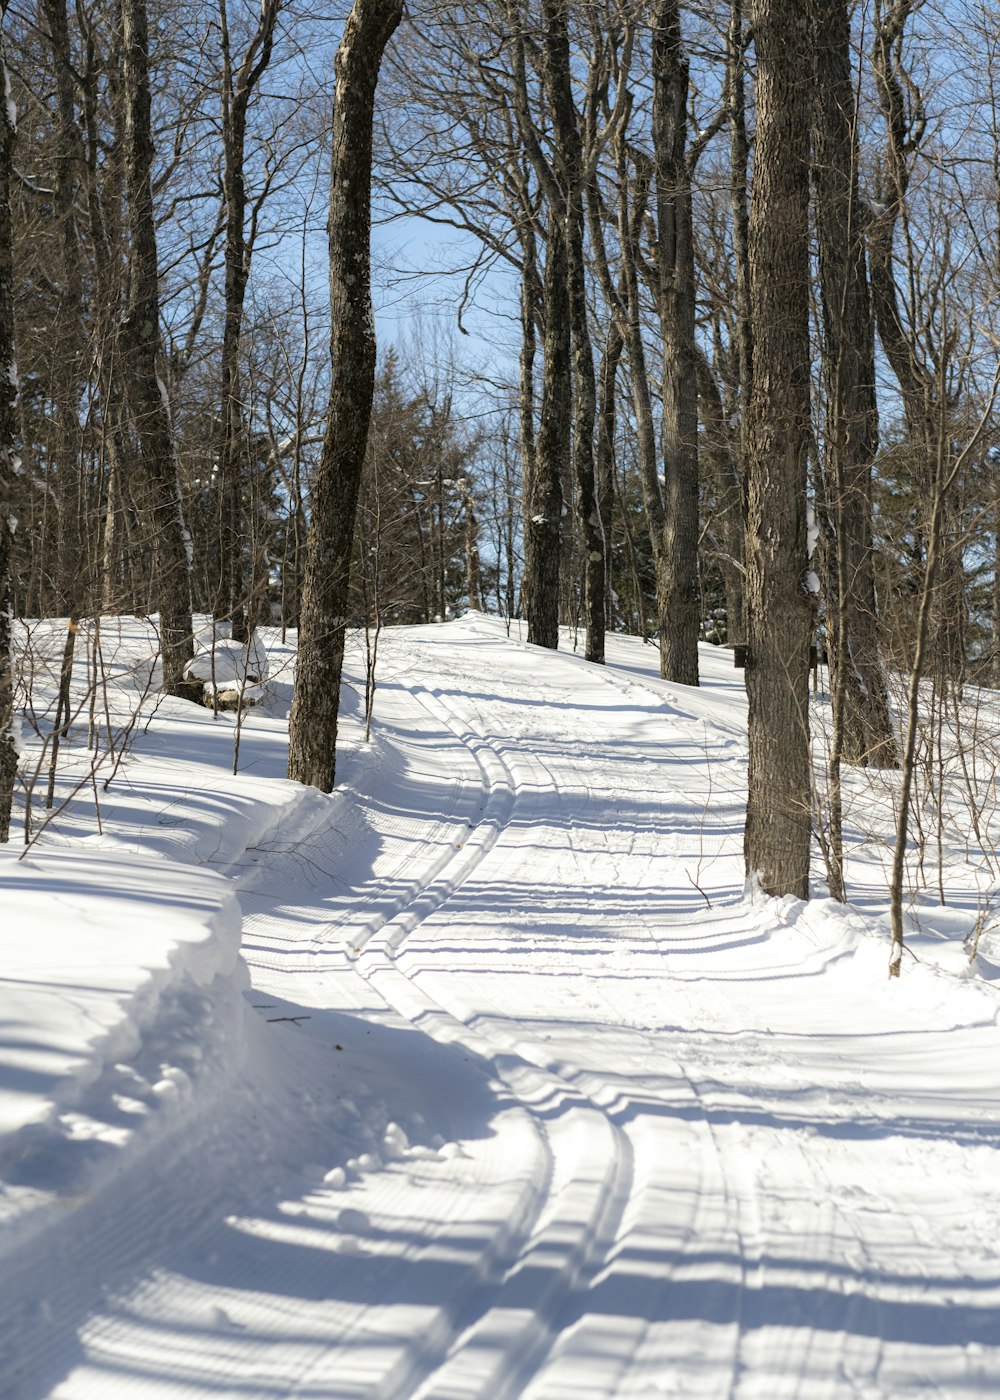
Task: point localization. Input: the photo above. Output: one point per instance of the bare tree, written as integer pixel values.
(862, 725)
(238, 84)
(9, 464)
(316, 702)
(677, 556)
(779, 613)
(140, 349)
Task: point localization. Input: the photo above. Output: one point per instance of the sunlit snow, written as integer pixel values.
(512, 1091)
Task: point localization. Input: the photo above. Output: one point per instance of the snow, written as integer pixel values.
(509, 1089)
(230, 666)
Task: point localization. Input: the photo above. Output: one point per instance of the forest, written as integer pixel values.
(500, 700)
(737, 268)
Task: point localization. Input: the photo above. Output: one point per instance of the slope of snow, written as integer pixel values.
(524, 1098)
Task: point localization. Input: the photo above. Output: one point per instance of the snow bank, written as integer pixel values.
(117, 979)
(122, 1001)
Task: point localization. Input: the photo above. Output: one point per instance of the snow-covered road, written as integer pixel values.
(533, 1104)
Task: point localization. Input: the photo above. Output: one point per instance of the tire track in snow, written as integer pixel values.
(495, 1358)
(568, 1348)
(727, 1174)
(514, 1180)
(511, 1324)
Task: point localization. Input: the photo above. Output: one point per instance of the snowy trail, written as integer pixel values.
(560, 1115)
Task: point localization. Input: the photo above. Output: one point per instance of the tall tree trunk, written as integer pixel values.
(604, 461)
(721, 467)
(102, 173)
(529, 306)
(569, 173)
(69, 317)
(160, 507)
(738, 161)
(235, 583)
(677, 558)
(861, 709)
(9, 464)
(473, 571)
(779, 622)
(543, 491)
(316, 702)
(632, 208)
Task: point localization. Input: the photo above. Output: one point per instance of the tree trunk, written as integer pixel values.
(779, 621)
(9, 464)
(738, 162)
(316, 702)
(604, 461)
(720, 459)
(69, 322)
(160, 507)
(473, 571)
(543, 490)
(631, 213)
(861, 709)
(235, 582)
(569, 172)
(678, 589)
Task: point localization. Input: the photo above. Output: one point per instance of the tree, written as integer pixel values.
(862, 726)
(140, 349)
(677, 555)
(237, 89)
(779, 613)
(9, 464)
(417, 526)
(316, 701)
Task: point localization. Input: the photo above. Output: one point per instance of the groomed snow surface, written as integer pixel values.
(508, 1090)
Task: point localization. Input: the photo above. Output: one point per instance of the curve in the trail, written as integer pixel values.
(498, 906)
(493, 1357)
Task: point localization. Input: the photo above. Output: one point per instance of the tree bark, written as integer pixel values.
(569, 173)
(235, 584)
(861, 709)
(721, 468)
(604, 460)
(68, 167)
(9, 464)
(140, 344)
(678, 588)
(316, 701)
(738, 162)
(543, 491)
(779, 623)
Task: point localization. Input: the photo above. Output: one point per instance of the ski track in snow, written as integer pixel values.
(683, 1148)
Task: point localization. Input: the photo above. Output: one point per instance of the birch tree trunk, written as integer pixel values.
(779, 615)
(316, 702)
